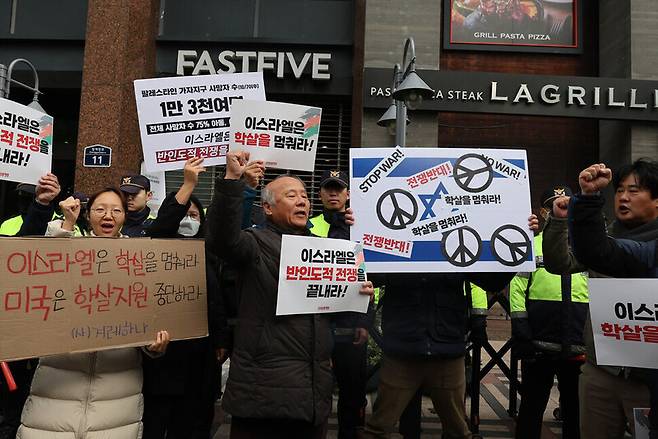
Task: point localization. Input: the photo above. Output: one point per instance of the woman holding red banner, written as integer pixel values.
(94, 394)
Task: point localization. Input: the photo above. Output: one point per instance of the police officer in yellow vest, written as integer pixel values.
(351, 329)
(548, 319)
(25, 193)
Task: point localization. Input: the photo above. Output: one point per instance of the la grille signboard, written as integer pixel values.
(565, 96)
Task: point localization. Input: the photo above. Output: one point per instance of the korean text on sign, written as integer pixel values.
(190, 116)
(283, 135)
(26, 138)
(318, 275)
(83, 291)
(625, 325)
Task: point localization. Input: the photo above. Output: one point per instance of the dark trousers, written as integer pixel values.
(350, 363)
(257, 428)
(11, 403)
(410, 419)
(536, 382)
(177, 417)
(653, 396)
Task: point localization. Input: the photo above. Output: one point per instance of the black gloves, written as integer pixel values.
(522, 334)
(479, 329)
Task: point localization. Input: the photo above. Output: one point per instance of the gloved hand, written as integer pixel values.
(524, 349)
(522, 334)
(479, 329)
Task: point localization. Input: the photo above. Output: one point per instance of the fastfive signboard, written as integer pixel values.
(441, 209)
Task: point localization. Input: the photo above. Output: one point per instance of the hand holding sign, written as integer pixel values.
(367, 290)
(594, 178)
(71, 210)
(193, 167)
(254, 172)
(236, 164)
(47, 189)
(349, 216)
(533, 223)
(159, 346)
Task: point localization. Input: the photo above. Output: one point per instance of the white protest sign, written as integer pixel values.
(441, 209)
(189, 116)
(158, 189)
(26, 142)
(283, 135)
(320, 275)
(624, 314)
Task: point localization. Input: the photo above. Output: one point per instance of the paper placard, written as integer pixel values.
(63, 295)
(320, 275)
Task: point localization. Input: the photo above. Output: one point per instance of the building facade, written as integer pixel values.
(333, 54)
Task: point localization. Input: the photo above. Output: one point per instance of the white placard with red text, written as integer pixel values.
(624, 315)
(26, 142)
(283, 135)
(189, 116)
(320, 275)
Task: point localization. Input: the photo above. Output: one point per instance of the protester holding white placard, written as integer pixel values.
(351, 333)
(427, 351)
(618, 257)
(280, 379)
(606, 389)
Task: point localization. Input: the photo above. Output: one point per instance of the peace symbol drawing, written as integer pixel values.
(472, 173)
(462, 246)
(510, 245)
(396, 209)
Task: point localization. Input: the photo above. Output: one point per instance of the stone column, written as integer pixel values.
(387, 26)
(119, 48)
(628, 48)
(644, 65)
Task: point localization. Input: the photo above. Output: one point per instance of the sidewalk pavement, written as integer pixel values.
(494, 419)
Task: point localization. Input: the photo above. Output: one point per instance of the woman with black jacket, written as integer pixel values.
(180, 389)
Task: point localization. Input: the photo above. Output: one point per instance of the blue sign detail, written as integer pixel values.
(517, 162)
(429, 200)
(428, 251)
(411, 166)
(97, 156)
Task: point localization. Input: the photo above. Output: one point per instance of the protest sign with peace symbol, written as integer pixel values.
(441, 209)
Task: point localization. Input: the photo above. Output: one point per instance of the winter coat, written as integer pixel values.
(425, 314)
(559, 259)
(280, 364)
(137, 223)
(190, 366)
(93, 395)
(85, 396)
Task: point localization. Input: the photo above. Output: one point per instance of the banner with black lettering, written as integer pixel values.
(26, 140)
(320, 275)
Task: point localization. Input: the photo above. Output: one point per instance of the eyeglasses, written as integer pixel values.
(101, 211)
